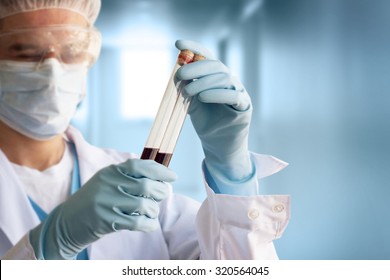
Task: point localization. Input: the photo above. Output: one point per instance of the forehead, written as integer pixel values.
(42, 18)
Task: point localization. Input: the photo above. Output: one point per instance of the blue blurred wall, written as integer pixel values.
(318, 72)
(325, 108)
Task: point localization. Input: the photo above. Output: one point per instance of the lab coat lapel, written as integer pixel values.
(17, 216)
(91, 160)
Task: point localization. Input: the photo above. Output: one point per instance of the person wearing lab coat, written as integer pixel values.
(62, 198)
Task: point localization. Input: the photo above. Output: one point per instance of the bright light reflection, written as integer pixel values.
(145, 74)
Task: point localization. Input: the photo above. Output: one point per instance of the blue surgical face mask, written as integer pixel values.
(40, 103)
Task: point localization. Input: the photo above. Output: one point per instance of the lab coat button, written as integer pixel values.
(253, 214)
(278, 208)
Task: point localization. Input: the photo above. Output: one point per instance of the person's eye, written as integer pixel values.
(29, 56)
(25, 52)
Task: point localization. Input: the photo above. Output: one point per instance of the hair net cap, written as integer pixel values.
(87, 8)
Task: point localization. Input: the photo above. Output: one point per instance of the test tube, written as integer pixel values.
(176, 122)
(165, 110)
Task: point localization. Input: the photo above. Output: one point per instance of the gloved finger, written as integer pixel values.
(136, 223)
(137, 168)
(200, 69)
(195, 47)
(144, 188)
(137, 206)
(239, 100)
(215, 81)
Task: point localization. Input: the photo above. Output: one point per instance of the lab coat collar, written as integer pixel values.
(14, 200)
(92, 158)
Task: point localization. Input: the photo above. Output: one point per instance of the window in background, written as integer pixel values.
(145, 74)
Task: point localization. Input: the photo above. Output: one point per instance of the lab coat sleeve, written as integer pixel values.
(21, 251)
(243, 227)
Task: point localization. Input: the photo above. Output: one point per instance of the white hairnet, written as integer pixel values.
(87, 8)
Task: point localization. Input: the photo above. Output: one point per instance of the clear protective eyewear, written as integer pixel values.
(70, 44)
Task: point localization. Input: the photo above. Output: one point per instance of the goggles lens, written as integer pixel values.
(69, 44)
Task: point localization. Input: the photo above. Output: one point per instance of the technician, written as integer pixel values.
(62, 198)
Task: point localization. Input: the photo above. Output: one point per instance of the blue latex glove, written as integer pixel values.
(118, 197)
(220, 112)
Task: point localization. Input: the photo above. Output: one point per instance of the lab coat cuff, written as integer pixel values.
(21, 251)
(263, 166)
(255, 210)
(250, 223)
(222, 185)
(271, 213)
(267, 165)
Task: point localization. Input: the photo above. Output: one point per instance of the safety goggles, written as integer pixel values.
(70, 44)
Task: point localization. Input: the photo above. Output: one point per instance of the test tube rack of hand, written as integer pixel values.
(170, 116)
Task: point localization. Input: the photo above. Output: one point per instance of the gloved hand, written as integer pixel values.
(118, 197)
(220, 112)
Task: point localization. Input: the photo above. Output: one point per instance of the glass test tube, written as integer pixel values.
(165, 110)
(175, 124)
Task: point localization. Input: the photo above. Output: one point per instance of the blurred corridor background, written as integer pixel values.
(318, 72)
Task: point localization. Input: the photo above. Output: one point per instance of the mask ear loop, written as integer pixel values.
(45, 55)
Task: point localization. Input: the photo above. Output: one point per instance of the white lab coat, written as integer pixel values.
(223, 227)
